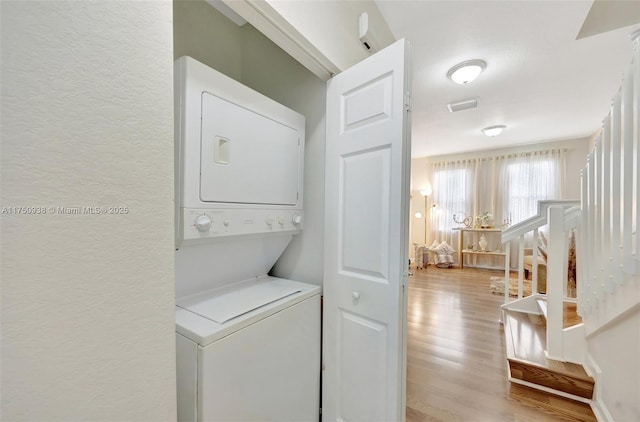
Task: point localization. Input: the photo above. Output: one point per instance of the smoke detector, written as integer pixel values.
(368, 37)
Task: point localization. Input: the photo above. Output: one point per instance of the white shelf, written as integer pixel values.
(461, 242)
(498, 253)
(465, 229)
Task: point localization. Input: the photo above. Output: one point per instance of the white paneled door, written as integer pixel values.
(366, 238)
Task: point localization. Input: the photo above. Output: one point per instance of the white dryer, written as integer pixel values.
(248, 344)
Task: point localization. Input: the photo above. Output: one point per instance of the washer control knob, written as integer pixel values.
(226, 223)
(296, 219)
(281, 220)
(203, 223)
(269, 221)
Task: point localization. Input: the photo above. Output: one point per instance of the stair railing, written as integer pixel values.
(608, 253)
(561, 217)
(532, 225)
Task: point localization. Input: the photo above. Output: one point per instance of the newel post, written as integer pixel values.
(556, 282)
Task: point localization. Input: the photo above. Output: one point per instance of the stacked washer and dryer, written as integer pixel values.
(248, 344)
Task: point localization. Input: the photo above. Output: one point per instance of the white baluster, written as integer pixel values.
(507, 274)
(591, 229)
(616, 199)
(582, 258)
(520, 265)
(606, 202)
(636, 147)
(627, 171)
(599, 222)
(534, 263)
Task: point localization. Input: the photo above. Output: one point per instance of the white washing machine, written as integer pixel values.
(249, 352)
(248, 345)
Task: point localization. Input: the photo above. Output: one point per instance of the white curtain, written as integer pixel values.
(529, 178)
(507, 187)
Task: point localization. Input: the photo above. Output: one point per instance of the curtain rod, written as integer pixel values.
(500, 156)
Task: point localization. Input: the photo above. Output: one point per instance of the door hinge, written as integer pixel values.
(407, 101)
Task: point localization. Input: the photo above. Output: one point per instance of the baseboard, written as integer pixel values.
(598, 406)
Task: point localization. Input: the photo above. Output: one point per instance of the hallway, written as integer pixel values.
(456, 364)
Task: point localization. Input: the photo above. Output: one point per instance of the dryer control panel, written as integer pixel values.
(202, 224)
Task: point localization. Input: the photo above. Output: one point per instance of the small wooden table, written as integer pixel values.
(462, 251)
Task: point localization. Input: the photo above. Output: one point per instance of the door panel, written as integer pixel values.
(366, 232)
(368, 103)
(362, 377)
(363, 177)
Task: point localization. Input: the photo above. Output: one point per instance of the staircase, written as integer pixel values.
(525, 338)
(551, 339)
(544, 335)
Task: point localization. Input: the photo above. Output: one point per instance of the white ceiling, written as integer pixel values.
(540, 81)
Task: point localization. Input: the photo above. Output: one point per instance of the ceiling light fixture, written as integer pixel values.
(493, 130)
(467, 71)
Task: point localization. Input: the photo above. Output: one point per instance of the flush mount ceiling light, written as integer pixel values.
(467, 71)
(493, 130)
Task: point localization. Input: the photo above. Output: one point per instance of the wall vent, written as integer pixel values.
(463, 105)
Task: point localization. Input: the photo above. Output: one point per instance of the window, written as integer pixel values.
(451, 189)
(527, 183)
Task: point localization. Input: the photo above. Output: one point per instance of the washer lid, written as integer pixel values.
(227, 306)
(204, 331)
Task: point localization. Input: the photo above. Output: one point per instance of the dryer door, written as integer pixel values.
(246, 158)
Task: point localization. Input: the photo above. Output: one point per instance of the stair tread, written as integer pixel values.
(525, 336)
(528, 341)
(570, 315)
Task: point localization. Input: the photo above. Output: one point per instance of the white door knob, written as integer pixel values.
(355, 296)
(203, 223)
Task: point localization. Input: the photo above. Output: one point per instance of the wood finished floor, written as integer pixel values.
(456, 359)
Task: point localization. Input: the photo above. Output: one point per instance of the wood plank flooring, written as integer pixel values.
(456, 359)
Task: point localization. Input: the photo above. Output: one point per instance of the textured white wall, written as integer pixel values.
(201, 32)
(87, 300)
(615, 351)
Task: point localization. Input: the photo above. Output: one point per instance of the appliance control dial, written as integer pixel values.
(269, 221)
(281, 220)
(203, 223)
(226, 223)
(296, 219)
